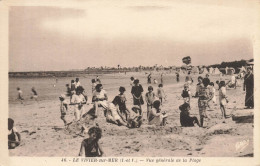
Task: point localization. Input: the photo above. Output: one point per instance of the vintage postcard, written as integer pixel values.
(129, 82)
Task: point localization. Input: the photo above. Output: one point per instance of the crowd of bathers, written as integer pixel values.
(118, 113)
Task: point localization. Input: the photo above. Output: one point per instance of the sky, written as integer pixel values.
(77, 35)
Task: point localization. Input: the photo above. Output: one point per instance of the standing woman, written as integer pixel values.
(249, 88)
(136, 91)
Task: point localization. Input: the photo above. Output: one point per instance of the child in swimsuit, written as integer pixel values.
(149, 98)
(63, 108)
(91, 146)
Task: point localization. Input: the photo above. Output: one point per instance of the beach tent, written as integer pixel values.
(205, 71)
(230, 71)
(200, 69)
(211, 70)
(226, 70)
(216, 71)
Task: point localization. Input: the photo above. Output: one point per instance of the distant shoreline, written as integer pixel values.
(37, 74)
(72, 73)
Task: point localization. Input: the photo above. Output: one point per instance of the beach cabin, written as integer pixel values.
(204, 71)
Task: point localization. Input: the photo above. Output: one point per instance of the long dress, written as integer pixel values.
(249, 85)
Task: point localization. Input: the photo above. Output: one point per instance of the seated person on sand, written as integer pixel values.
(14, 138)
(78, 100)
(100, 99)
(113, 115)
(135, 119)
(120, 100)
(185, 119)
(157, 116)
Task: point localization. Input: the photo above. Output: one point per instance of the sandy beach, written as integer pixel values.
(43, 133)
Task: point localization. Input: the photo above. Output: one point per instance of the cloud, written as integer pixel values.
(73, 37)
(181, 23)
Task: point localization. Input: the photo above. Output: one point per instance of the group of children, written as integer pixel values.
(117, 112)
(205, 92)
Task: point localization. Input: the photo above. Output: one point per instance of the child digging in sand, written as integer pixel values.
(91, 146)
(63, 109)
(113, 115)
(135, 119)
(185, 118)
